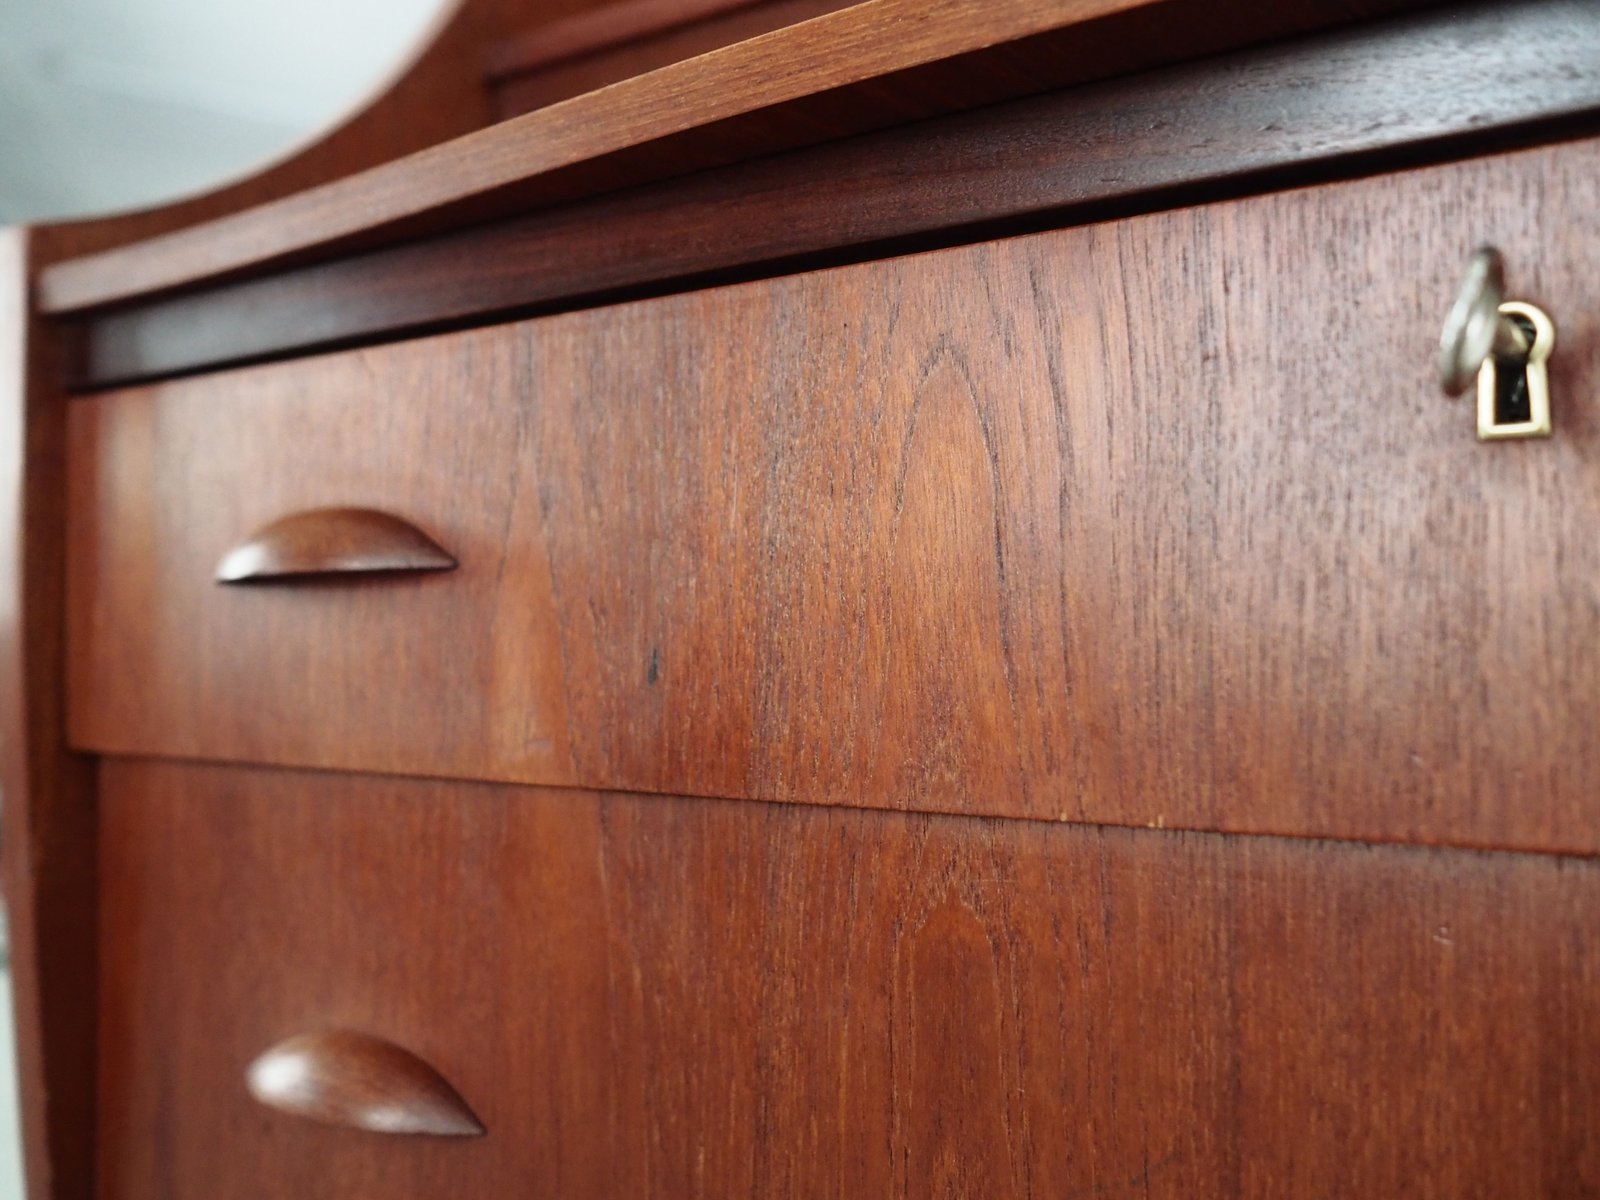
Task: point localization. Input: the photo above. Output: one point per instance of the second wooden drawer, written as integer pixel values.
(661, 998)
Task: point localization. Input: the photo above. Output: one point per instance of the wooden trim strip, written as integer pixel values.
(1495, 74)
(48, 810)
(876, 65)
(522, 93)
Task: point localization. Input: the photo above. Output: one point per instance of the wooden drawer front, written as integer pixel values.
(453, 673)
(667, 998)
(1163, 521)
(1156, 522)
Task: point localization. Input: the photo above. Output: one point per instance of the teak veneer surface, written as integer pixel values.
(1157, 522)
(873, 65)
(665, 998)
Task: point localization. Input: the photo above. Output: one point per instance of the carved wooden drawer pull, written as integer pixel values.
(332, 541)
(361, 1082)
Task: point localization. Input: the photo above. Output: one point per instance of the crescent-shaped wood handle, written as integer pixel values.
(332, 541)
(351, 1079)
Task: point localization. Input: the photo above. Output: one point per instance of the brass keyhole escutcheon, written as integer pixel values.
(1514, 387)
(1505, 344)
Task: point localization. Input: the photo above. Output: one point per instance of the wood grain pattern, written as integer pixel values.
(424, 673)
(870, 66)
(48, 810)
(662, 998)
(1151, 522)
(1492, 72)
(353, 1080)
(1146, 523)
(332, 541)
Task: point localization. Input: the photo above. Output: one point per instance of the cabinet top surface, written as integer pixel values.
(876, 64)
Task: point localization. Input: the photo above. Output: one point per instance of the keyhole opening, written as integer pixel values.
(1512, 403)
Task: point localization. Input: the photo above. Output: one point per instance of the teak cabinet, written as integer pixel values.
(1048, 705)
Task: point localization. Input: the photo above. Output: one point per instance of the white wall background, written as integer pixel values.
(10, 1126)
(115, 104)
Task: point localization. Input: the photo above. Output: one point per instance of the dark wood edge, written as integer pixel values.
(47, 813)
(1421, 843)
(1324, 107)
(877, 65)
